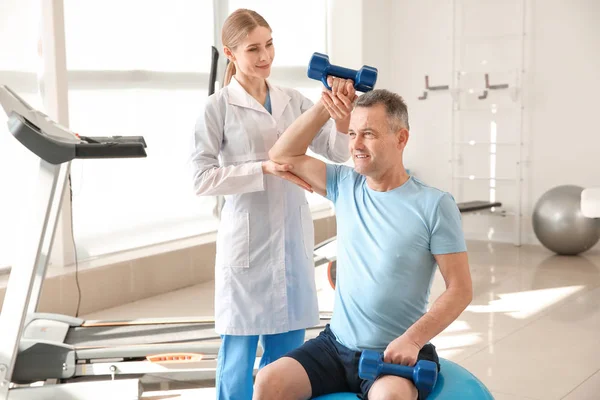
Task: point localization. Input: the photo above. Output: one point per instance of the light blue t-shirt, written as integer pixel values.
(385, 263)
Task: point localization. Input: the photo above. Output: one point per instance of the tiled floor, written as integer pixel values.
(531, 332)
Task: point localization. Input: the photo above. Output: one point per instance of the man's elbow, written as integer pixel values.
(275, 155)
(466, 296)
(280, 157)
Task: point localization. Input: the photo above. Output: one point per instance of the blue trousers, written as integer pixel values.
(237, 354)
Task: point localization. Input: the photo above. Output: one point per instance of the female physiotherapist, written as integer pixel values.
(264, 271)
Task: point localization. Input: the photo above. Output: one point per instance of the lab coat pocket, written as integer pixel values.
(234, 232)
(308, 230)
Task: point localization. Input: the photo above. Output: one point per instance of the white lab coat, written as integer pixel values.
(264, 270)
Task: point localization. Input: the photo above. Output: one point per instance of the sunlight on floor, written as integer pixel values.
(522, 305)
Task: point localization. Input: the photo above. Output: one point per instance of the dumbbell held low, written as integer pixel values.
(319, 68)
(423, 374)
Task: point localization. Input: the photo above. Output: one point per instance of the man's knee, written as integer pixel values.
(393, 388)
(285, 379)
(269, 382)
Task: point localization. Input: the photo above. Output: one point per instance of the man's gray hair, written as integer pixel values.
(395, 107)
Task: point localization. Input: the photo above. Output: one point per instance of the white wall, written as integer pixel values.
(561, 59)
(564, 88)
(359, 33)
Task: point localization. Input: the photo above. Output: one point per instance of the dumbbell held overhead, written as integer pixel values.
(423, 374)
(319, 68)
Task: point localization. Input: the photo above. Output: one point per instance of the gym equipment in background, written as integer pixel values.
(559, 223)
(319, 68)
(212, 78)
(85, 357)
(38, 347)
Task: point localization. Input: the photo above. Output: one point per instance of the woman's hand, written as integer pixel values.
(283, 171)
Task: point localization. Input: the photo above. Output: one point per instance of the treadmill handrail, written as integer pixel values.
(44, 146)
(56, 144)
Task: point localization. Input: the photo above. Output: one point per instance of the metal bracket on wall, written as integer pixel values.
(491, 87)
(428, 88)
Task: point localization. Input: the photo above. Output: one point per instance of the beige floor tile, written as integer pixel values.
(505, 396)
(588, 390)
(197, 300)
(549, 357)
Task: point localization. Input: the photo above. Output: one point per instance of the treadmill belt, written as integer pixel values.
(138, 334)
(125, 335)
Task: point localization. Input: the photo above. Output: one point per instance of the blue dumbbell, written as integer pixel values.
(423, 374)
(319, 68)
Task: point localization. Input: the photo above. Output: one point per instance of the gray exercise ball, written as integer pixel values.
(559, 224)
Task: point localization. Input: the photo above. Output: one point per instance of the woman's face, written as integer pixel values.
(254, 56)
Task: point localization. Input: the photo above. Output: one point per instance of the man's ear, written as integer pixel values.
(402, 136)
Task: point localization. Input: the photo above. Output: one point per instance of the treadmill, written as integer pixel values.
(70, 351)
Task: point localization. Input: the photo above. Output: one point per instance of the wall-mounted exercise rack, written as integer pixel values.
(483, 88)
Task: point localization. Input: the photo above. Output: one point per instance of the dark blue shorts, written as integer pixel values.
(333, 368)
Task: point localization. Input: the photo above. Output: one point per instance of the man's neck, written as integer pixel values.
(255, 87)
(388, 180)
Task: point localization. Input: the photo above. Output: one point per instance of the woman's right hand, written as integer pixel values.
(283, 171)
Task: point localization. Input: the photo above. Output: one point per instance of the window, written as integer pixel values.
(162, 35)
(19, 21)
(299, 28)
(147, 75)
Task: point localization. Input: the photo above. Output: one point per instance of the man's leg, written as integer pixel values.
(235, 364)
(276, 346)
(391, 387)
(284, 379)
(314, 369)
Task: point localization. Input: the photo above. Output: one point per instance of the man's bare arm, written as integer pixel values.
(298, 136)
(291, 148)
(457, 296)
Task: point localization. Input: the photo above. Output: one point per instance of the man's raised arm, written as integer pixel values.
(291, 146)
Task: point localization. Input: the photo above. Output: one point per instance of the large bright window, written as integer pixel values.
(137, 73)
(126, 203)
(159, 35)
(19, 21)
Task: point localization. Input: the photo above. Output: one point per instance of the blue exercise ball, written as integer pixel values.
(338, 396)
(453, 383)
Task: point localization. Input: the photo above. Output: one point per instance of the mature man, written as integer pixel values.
(392, 232)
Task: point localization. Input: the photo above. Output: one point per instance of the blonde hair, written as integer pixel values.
(236, 27)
